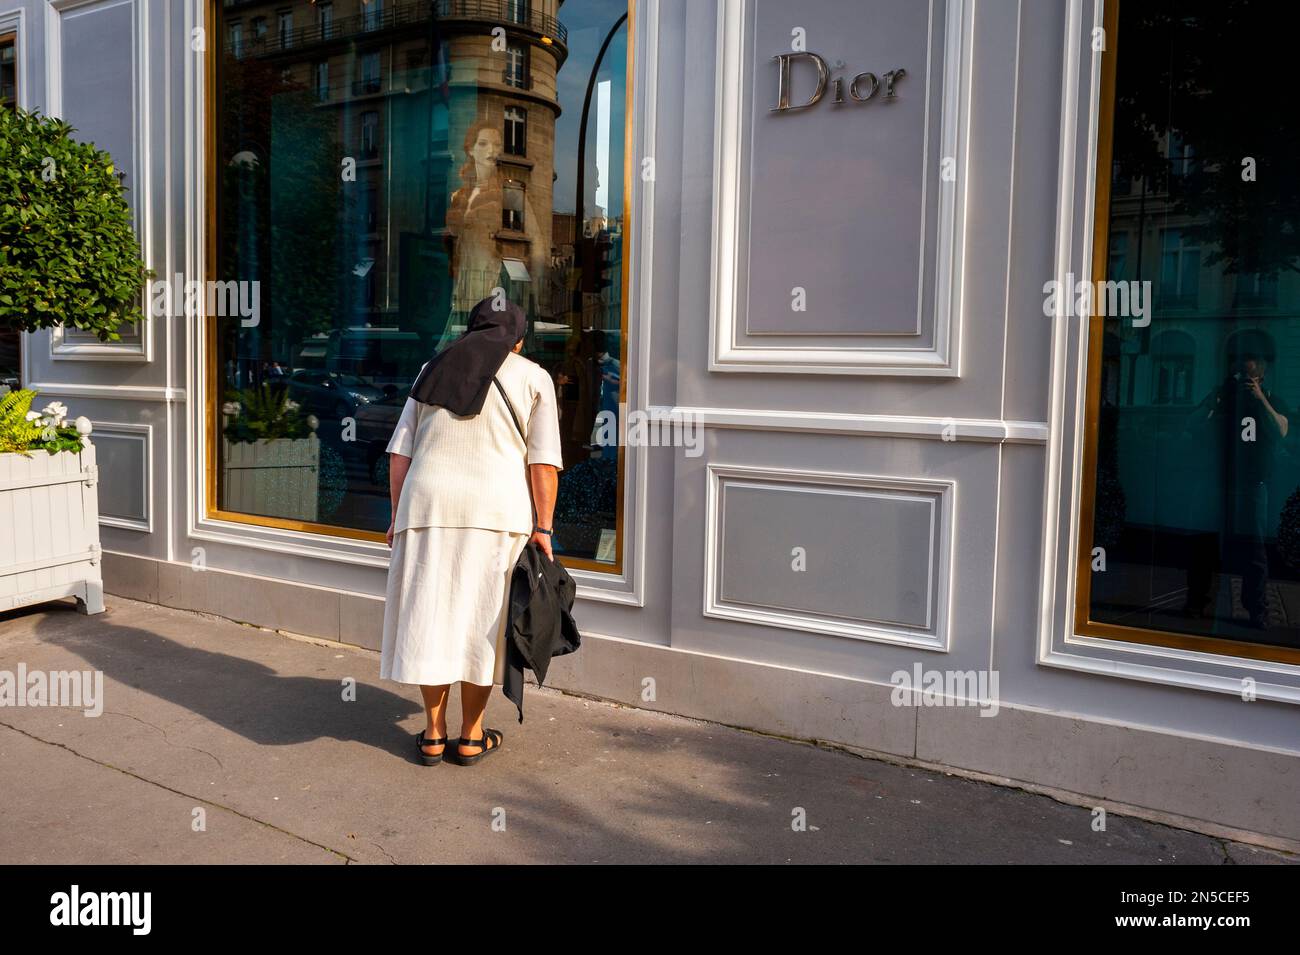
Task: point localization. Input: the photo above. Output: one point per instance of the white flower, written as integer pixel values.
(33, 416)
(83, 425)
(55, 412)
(291, 405)
(230, 407)
(49, 434)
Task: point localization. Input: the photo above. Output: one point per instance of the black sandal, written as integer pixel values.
(497, 739)
(421, 741)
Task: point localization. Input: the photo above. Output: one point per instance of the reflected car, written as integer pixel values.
(329, 394)
(375, 424)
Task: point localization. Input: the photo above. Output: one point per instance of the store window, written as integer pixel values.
(375, 223)
(1190, 529)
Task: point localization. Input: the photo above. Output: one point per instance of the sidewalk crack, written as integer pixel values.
(164, 736)
(180, 792)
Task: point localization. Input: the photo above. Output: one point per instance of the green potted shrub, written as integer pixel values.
(69, 256)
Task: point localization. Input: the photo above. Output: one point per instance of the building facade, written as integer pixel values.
(970, 321)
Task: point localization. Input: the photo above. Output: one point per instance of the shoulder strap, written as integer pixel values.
(518, 427)
(513, 417)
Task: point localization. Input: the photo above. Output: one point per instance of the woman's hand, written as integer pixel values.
(389, 537)
(544, 542)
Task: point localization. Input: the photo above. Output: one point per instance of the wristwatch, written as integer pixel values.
(549, 532)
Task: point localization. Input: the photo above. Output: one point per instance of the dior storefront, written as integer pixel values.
(923, 365)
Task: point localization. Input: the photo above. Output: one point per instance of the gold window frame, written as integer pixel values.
(212, 399)
(1084, 625)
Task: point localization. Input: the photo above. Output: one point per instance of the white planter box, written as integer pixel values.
(277, 477)
(49, 529)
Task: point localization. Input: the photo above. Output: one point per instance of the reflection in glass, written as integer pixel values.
(382, 167)
(1196, 497)
(10, 340)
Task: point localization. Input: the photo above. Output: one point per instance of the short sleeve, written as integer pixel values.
(544, 423)
(403, 440)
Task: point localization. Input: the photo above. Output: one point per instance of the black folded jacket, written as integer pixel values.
(539, 620)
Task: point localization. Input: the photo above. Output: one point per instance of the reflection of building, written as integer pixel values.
(8, 70)
(1159, 383)
(370, 65)
(9, 349)
(1200, 306)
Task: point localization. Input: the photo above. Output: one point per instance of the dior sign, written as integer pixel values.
(861, 88)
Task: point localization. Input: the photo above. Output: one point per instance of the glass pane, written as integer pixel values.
(1196, 503)
(381, 168)
(10, 340)
(8, 71)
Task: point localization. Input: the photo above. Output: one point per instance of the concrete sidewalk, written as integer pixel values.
(251, 727)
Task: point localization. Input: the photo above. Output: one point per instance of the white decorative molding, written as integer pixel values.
(64, 389)
(728, 353)
(930, 427)
(74, 345)
(939, 590)
(628, 587)
(65, 347)
(143, 435)
(1058, 643)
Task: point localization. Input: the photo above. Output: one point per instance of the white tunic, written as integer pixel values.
(463, 518)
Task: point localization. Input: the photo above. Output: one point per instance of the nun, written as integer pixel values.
(464, 483)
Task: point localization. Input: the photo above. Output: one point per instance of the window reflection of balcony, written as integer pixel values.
(367, 85)
(333, 29)
(513, 12)
(519, 16)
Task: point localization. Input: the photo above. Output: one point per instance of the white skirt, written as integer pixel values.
(445, 613)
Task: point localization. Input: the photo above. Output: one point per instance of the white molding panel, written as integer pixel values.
(141, 435)
(137, 345)
(982, 430)
(939, 588)
(732, 348)
(65, 389)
